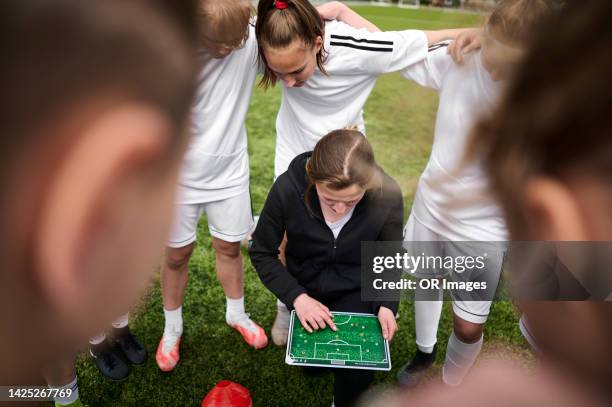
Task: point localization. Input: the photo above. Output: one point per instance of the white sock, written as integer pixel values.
(460, 357)
(98, 339)
(524, 328)
(74, 395)
(121, 322)
(426, 320)
(281, 306)
(283, 314)
(234, 310)
(173, 327)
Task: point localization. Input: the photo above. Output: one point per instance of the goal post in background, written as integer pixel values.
(409, 3)
(382, 2)
(386, 3)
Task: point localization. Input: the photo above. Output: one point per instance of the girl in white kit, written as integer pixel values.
(453, 202)
(215, 175)
(327, 69)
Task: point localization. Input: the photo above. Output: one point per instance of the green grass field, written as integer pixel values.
(358, 342)
(400, 120)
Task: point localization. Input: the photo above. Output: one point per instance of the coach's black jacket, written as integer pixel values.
(317, 264)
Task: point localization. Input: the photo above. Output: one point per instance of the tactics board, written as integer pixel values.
(358, 344)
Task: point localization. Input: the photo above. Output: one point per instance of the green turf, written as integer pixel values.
(400, 119)
(358, 343)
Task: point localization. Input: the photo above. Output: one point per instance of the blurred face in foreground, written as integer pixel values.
(106, 216)
(89, 175)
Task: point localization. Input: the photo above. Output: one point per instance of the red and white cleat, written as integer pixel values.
(253, 334)
(167, 355)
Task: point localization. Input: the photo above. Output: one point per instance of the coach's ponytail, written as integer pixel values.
(280, 23)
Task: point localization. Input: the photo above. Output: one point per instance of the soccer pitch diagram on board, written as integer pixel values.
(358, 344)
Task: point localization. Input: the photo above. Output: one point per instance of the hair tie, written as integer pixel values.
(281, 5)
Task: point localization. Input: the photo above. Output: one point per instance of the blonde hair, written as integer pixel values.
(226, 20)
(514, 22)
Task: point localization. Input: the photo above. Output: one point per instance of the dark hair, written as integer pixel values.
(340, 159)
(555, 118)
(278, 28)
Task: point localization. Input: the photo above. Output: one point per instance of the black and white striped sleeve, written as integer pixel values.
(378, 52)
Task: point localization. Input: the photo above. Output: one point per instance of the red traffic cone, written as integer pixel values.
(227, 394)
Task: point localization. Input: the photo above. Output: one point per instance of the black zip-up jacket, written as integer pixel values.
(317, 264)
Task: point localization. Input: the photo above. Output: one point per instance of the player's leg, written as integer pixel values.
(280, 328)
(469, 316)
(230, 273)
(528, 334)
(230, 221)
(126, 341)
(174, 277)
(62, 376)
(465, 341)
(426, 313)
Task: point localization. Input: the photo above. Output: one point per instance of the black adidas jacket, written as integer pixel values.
(317, 264)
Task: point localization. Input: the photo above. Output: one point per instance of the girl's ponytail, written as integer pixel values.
(280, 23)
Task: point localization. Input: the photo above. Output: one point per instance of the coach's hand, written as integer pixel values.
(313, 314)
(386, 317)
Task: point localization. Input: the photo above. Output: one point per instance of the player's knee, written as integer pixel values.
(229, 250)
(178, 259)
(467, 332)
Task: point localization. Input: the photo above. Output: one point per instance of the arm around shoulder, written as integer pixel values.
(334, 10)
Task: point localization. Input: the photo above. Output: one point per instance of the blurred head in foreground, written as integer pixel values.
(548, 151)
(95, 99)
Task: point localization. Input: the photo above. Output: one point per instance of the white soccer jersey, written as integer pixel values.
(452, 199)
(355, 59)
(216, 165)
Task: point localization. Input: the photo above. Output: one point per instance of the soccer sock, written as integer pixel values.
(280, 328)
(173, 328)
(97, 344)
(426, 319)
(524, 328)
(98, 339)
(234, 310)
(460, 357)
(120, 326)
(74, 395)
(283, 312)
(121, 322)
